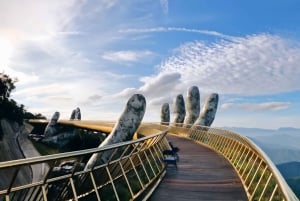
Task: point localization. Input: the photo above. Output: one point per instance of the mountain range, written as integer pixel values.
(282, 146)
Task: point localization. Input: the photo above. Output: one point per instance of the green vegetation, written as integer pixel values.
(7, 85)
(9, 108)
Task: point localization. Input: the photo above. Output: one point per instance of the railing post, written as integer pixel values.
(95, 186)
(146, 157)
(112, 183)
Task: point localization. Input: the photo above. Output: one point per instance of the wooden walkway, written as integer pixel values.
(202, 175)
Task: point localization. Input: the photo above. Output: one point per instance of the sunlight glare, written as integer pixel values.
(6, 50)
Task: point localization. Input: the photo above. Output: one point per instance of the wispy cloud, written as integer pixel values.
(68, 54)
(266, 106)
(127, 56)
(253, 65)
(158, 85)
(92, 100)
(177, 29)
(256, 64)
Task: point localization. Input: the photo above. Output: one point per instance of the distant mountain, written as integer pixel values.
(291, 172)
(294, 184)
(279, 152)
(281, 145)
(251, 131)
(288, 129)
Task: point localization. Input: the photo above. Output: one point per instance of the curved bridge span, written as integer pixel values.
(230, 164)
(201, 175)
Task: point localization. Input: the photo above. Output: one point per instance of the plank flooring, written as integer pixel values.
(202, 174)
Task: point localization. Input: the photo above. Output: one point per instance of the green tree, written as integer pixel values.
(9, 108)
(7, 85)
(29, 115)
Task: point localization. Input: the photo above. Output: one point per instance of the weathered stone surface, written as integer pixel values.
(60, 140)
(73, 114)
(51, 128)
(10, 150)
(179, 110)
(28, 149)
(208, 111)
(76, 114)
(192, 105)
(66, 167)
(165, 114)
(124, 129)
(54, 135)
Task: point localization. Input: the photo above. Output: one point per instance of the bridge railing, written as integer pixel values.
(260, 177)
(132, 170)
(135, 166)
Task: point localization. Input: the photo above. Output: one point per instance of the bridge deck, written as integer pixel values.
(202, 175)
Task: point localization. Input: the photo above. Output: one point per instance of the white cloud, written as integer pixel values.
(6, 51)
(266, 106)
(127, 92)
(161, 100)
(160, 84)
(155, 86)
(257, 64)
(157, 90)
(177, 29)
(92, 100)
(53, 48)
(127, 56)
(36, 32)
(36, 18)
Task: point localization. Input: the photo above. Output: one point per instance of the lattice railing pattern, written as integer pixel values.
(260, 177)
(133, 168)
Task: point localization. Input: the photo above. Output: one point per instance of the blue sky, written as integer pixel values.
(95, 54)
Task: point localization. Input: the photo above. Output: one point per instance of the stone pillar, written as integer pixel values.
(179, 110)
(73, 115)
(124, 129)
(77, 113)
(51, 128)
(165, 114)
(208, 111)
(192, 106)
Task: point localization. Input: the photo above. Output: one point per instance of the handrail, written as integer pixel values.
(261, 179)
(46, 158)
(132, 169)
(136, 165)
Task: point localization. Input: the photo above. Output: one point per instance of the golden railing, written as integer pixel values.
(260, 177)
(136, 167)
(133, 169)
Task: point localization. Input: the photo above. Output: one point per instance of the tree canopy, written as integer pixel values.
(9, 108)
(7, 85)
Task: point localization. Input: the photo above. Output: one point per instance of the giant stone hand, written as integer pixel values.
(123, 130)
(191, 114)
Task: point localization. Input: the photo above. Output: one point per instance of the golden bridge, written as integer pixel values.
(214, 164)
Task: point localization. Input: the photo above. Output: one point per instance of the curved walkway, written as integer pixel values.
(202, 175)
